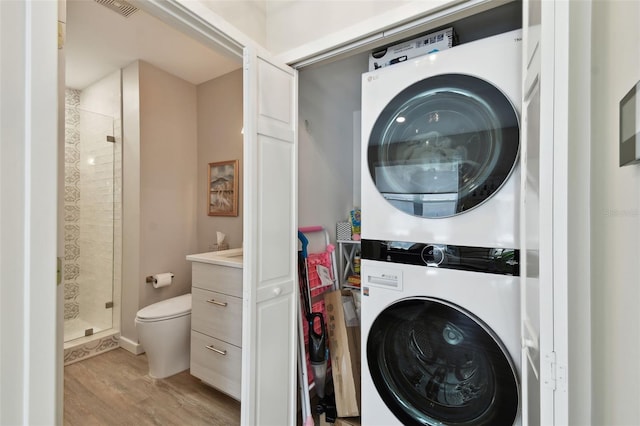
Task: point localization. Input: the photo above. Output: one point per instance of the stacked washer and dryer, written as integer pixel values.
(440, 272)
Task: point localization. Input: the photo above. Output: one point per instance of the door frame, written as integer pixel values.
(29, 360)
(32, 83)
(200, 23)
(27, 307)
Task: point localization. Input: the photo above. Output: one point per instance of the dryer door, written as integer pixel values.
(444, 145)
(434, 363)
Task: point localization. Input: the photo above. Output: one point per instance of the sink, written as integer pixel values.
(228, 253)
(231, 257)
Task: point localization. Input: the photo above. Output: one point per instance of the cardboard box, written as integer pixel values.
(344, 347)
(347, 421)
(340, 421)
(323, 420)
(429, 43)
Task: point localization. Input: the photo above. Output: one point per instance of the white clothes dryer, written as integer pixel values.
(440, 144)
(440, 335)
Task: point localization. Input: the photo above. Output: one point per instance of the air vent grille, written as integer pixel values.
(119, 6)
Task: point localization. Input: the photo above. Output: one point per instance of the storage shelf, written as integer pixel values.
(347, 250)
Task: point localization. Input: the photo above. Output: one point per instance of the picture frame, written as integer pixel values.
(222, 188)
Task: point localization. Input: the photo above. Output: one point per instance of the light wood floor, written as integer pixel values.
(114, 389)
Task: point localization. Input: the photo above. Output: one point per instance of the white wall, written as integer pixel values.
(286, 25)
(160, 186)
(247, 16)
(328, 97)
(291, 24)
(578, 226)
(219, 139)
(615, 216)
(168, 181)
(130, 202)
(103, 96)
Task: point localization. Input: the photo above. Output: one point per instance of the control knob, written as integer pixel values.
(432, 255)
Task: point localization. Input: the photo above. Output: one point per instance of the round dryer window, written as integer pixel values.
(444, 145)
(433, 363)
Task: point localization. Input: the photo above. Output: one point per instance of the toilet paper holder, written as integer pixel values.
(150, 278)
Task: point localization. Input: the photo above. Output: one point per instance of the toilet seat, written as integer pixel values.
(166, 309)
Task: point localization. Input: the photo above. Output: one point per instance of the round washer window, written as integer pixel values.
(433, 363)
(444, 145)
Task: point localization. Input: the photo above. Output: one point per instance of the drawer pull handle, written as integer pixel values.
(215, 302)
(220, 351)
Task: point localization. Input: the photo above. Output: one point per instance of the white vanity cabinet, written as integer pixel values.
(216, 319)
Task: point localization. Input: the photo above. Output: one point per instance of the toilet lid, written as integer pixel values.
(170, 308)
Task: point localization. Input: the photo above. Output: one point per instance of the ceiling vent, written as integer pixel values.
(119, 6)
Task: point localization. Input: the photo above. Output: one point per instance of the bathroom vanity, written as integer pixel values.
(216, 319)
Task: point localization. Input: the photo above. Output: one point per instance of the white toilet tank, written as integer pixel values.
(164, 330)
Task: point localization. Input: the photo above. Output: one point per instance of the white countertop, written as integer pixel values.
(231, 257)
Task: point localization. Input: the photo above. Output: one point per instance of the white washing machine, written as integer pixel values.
(440, 335)
(440, 144)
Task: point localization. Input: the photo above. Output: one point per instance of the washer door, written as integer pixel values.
(433, 363)
(443, 146)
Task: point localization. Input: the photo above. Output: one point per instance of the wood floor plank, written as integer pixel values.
(114, 388)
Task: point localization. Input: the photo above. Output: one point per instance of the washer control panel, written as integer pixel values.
(389, 278)
(502, 261)
(432, 255)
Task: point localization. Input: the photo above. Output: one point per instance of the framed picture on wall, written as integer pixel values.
(223, 188)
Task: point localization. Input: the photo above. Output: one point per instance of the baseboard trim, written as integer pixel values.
(131, 346)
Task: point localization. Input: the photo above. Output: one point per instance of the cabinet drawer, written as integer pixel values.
(223, 279)
(216, 363)
(218, 315)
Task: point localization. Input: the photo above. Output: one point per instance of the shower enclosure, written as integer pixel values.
(92, 188)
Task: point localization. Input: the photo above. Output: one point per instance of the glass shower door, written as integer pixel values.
(90, 196)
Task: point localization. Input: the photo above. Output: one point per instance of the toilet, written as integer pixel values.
(164, 330)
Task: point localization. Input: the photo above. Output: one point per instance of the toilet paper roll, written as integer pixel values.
(162, 280)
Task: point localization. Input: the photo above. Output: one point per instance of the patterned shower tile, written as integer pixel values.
(71, 213)
(71, 252)
(71, 155)
(71, 117)
(71, 290)
(71, 310)
(72, 97)
(71, 271)
(71, 175)
(89, 349)
(72, 137)
(71, 232)
(71, 194)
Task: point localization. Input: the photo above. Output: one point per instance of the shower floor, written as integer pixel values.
(75, 328)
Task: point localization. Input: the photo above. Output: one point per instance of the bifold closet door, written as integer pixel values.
(270, 242)
(544, 212)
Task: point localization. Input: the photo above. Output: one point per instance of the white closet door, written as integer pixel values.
(29, 350)
(543, 204)
(270, 242)
(530, 215)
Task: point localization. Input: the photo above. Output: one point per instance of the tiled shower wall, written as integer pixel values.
(71, 268)
(93, 228)
(92, 261)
